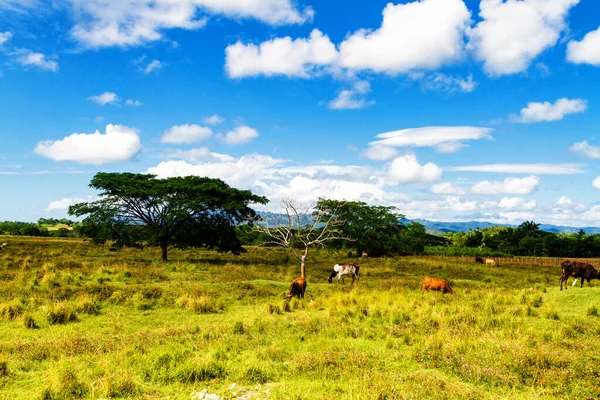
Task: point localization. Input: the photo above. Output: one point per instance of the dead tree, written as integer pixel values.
(301, 227)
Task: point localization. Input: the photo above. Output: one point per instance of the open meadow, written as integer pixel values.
(80, 321)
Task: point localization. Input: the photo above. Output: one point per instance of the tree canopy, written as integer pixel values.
(189, 211)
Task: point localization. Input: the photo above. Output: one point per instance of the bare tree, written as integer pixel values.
(301, 227)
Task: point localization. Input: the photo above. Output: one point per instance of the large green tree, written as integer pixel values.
(374, 229)
(181, 212)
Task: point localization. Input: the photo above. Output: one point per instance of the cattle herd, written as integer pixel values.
(576, 269)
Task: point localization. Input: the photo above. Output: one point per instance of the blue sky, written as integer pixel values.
(449, 110)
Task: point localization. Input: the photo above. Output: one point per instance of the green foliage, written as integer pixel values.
(190, 211)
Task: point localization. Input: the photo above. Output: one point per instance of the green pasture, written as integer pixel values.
(80, 321)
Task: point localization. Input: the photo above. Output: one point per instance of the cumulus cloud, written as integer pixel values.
(378, 152)
(241, 134)
(586, 51)
(281, 56)
(516, 203)
(28, 58)
(596, 183)
(213, 120)
(201, 154)
(509, 186)
(407, 169)
(445, 139)
(439, 82)
(184, 134)
(513, 33)
(154, 65)
(538, 169)
(546, 111)
(118, 144)
(64, 204)
(133, 103)
(421, 35)
(351, 99)
(105, 23)
(5, 37)
(105, 98)
(586, 150)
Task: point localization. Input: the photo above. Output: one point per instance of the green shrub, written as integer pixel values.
(12, 309)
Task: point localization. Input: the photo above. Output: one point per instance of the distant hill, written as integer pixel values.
(436, 227)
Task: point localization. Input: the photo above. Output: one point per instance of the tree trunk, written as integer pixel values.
(303, 267)
(163, 248)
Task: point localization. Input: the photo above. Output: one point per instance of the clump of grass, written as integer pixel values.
(29, 322)
(256, 374)
(66, 385)
(12, 309)
(285, 306)
(239, 328)
(190, 373)
(553, 315)
(118, 297)
(593, 311)
(88, 305)
(274, 309)
(201, 304)
(61, 314)
(3, 369)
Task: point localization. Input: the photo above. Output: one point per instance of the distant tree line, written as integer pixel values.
(525, 240)
(35, 229)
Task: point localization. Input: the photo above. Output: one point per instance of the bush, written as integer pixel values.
(200, 305)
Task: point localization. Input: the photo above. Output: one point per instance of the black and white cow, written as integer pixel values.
(341, 270)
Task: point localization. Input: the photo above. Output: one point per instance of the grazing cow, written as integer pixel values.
(478, 260)
(365, 254)
(489, 261)
(436, 284)
(2, 246)
(341, 270)
(579, 270)
(297, 288)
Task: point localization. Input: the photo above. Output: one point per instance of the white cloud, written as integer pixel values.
(586, 150)
(407, 169)
(280, 56)
(104, 98)
(5, 37)
(119, 143)
(104, 23)
(133, 103)
(20, 6)
(516, 203)
(274, 12)
(587, 51)
(184, 134)
(538, 169)
(445, 139)
(513, 33)
(241, 134)
(153, 66)
(509, 186)
(414, 36)
(201, 154)
(596, 183)
(213, 120)
(439, 82)
(28, 58)
(350, 99)
(546, 111)
(378, 152)
(64, 204)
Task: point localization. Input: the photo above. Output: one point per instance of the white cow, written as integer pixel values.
(341, 270)
(489, 261)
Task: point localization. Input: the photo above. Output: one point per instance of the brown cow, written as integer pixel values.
(579, 270)
(436, 284)
(297, 288)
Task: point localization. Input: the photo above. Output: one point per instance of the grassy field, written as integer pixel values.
(79, 321)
